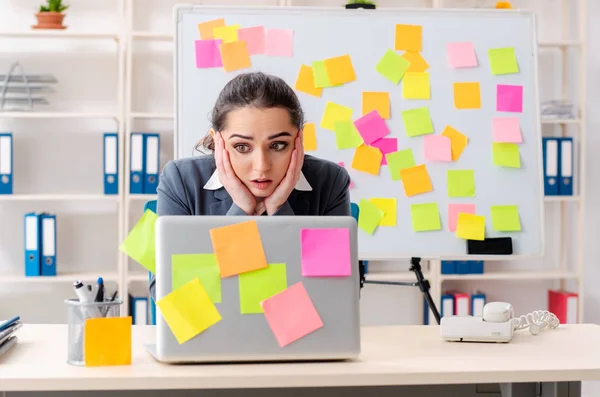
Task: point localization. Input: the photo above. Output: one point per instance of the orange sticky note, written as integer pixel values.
(107, 341)
(467, 96)
(235, 56)
(305, 81)
(367, 159)
(238, 248)
(417, 62)
(458, 141)
(206, 29)
(408, 38)
(416, 180)
(379, 101)
(309, 133)
(340, 70)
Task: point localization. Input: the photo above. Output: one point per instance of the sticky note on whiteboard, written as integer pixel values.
(507, 130)
(509, 98)
(461, 55)
(335, 112)
(470, 226)
(279, 42)
(206, 29)
(454, 210)
(255, 39)
(425, 217)
(208, 54)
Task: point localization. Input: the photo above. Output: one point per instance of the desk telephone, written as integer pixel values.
(497, 324)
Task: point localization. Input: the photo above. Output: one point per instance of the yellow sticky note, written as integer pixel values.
(186, 267)
(139, 244)
(320, 76)
(228, 34)
(188, 311)
(408, 38)
(305, 82)
(367, 159)
(425, 217)
(503, 60)
(379, 101)
(415, 85)
(467, 96)
(458, 141)
(235, 56)
(416, 180)
(335, 112)
(340, 70)
(309, 133)
(107, 341)
(417, 62)
(388, 206)
(505, 218)
(238, 248)
(506, 154)
(470, 226)
(369, 216)
(206, 29)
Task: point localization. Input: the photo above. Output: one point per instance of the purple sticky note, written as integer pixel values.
(437, 148)
(254, 38)
(509, 98)
(351, 183)
(386, 145)
(371, 127)
(461, 55)
(325, 252)
(507, 130)
(454, 210)
(207, 54)
(279, 42)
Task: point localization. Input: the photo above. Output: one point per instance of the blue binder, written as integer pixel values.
(48, 232)
(6, 163)
(565, 185)
(447, 307)
(139, 310)
(33, 242)
(477, 304)
(151, 162)
(136, 163)
(111, 163)
(448, 267)
(476, 267)
(551, 157)
(463, 267)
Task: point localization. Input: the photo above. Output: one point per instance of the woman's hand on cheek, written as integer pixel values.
(239, 193)
(288, 183)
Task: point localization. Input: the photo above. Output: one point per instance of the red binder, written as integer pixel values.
(564, 305)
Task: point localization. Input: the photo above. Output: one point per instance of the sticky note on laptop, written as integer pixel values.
(139, 244)
(261, 284)
(186, 267)
(238, 248)
(325, 252)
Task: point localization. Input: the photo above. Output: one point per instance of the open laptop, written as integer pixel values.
(241, 337)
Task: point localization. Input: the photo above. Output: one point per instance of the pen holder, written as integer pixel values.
(77, 314)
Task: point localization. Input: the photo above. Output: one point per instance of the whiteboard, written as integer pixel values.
(365, 35)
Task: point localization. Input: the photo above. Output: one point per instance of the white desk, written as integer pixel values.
(394, 355)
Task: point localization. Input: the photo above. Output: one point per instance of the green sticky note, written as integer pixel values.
(461, 183)
(186, 267)
(417, 121)
(346, 135)
(369, 216)
(259, 285)
(505, 218)
(506, 154)
(139, 243)
(425, 217)
(398, 161)
(392, 66)
(320, 74)
(503, 60)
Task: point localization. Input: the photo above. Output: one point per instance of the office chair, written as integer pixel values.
(151, 205)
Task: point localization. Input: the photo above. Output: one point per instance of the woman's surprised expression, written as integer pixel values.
(260, 144)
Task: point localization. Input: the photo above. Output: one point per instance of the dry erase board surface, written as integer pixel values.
(496, 180)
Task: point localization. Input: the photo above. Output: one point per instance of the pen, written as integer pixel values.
(84, 293)
(100, 290)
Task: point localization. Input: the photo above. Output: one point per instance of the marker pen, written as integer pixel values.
(86, 296)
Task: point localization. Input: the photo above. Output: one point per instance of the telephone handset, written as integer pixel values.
(497, 324)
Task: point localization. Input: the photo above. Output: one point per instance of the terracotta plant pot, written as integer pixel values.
(49, 20)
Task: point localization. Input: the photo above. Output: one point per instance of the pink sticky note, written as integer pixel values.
(509, 98)
(386, 145)
(207, 54)
(254, 38)
(454, 209)
(279, 42)
(371, 127)
(437, 148)
(461, 55)
(291, 314)
(351, 183)
(325, 252)
(507, 130)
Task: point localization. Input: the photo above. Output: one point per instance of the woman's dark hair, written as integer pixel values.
(254, 89)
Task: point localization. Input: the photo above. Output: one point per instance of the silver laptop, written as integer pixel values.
(241, 337)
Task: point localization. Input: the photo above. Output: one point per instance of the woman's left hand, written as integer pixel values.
(288, 183)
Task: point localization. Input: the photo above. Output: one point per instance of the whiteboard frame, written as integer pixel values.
(180, 9)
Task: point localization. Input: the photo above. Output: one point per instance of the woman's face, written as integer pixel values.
(260, 144)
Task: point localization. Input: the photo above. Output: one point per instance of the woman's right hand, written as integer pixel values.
(239, 193)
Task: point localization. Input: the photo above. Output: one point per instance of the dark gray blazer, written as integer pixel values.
(191, 186)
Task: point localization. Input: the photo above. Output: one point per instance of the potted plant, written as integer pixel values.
(354, 4)
(51, 15)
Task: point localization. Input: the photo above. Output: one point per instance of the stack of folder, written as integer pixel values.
(6, 163)
(558, 166)
(40, 244)
(144, 163)
(462, 267)
(458, 303)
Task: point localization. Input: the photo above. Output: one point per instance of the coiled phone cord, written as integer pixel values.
(536, 321)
